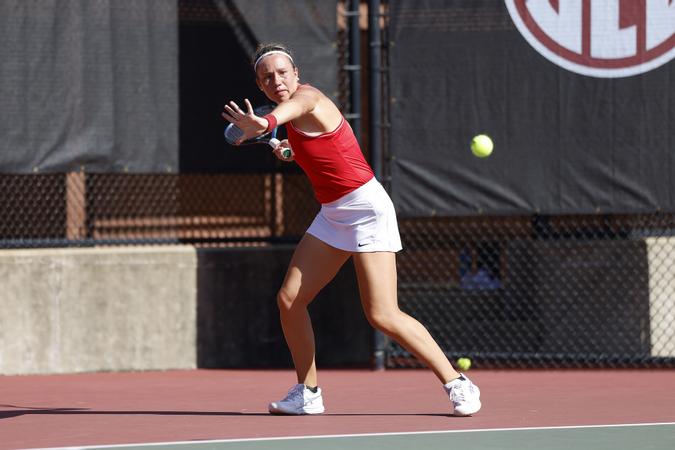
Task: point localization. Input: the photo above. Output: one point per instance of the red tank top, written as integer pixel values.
(332, 161)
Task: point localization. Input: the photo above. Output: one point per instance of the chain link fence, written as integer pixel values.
(82, 209)
(556, 291)
(530, 291)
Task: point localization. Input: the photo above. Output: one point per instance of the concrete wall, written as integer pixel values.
(156, 308)
(97, 309)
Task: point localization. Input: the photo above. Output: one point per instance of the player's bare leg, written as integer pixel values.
(376, 273)
(313, 265)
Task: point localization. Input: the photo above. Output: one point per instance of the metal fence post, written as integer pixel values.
(375, 138)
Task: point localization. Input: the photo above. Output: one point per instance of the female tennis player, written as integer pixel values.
(357, 220)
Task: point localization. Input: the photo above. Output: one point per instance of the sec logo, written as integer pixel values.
(599, 38)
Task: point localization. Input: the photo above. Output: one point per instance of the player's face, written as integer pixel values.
(277, 77)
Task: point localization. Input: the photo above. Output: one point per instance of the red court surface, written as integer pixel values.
(146, 407)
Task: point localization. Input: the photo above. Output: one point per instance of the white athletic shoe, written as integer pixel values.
(464, 395)
(298, 401)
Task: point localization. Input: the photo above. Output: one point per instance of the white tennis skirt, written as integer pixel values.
(362, 221)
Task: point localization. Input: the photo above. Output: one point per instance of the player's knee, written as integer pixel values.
(285, 300)
(383, 320)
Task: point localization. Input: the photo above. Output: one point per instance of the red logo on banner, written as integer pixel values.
(600, 38)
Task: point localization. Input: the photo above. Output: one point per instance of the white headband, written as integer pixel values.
(271, 52)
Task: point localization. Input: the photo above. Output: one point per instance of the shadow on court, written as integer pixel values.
(26, 410)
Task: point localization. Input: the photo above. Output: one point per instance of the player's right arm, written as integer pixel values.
(280, 148)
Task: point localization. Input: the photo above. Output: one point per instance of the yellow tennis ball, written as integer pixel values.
(463, 363)
(482, 145)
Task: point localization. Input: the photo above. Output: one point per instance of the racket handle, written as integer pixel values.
(286, 153)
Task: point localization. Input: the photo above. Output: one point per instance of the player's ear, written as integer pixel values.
(258, 83)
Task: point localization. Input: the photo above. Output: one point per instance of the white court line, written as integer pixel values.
(337, 436)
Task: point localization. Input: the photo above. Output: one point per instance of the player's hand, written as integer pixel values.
(246, 121)
(279, 149)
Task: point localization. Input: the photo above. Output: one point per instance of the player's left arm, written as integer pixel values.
(246, 121)
(303, 101)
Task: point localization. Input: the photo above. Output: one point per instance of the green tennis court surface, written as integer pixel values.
(610, 437)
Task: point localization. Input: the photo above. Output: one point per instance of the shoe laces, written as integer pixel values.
(295, 393)
(458, 393)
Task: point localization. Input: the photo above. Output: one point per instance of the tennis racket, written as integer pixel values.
(232, 133)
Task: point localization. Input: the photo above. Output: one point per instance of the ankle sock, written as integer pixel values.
(313, 389)
(460, 378)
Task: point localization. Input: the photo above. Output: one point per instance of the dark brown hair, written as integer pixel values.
(270, 47)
